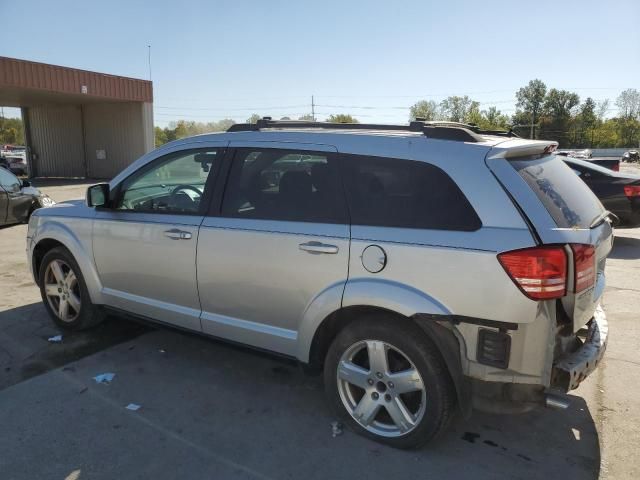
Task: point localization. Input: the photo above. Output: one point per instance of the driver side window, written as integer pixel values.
(174, 183)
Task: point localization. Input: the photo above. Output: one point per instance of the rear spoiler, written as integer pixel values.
(522, 148)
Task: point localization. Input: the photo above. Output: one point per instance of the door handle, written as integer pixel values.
(175, 234)
(318, 247)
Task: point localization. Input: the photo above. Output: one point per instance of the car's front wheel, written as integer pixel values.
(387, 381)
(65, 293)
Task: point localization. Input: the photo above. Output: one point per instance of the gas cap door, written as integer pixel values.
(374, 259)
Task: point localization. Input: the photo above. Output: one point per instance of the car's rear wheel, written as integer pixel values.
(387, 381)
(65, 293)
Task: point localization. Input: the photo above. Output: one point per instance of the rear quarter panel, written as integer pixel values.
(458, 270)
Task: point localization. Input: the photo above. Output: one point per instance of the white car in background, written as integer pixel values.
(15, 159)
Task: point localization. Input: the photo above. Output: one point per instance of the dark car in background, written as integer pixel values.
(18, 199)
(618, 192)
(610, 163)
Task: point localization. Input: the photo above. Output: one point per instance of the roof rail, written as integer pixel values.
(441, 130)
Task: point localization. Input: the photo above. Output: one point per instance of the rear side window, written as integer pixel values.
(566, 197)
(391, 192)
(288, 185)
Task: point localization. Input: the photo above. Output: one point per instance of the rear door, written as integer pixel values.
(562, 210)
(279, 241)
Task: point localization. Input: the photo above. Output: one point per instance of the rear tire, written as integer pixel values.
(64, 292)
(387, 381)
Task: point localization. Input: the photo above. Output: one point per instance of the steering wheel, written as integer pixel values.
(179, 188)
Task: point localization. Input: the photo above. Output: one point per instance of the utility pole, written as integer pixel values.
(313, 109)
(149, 60)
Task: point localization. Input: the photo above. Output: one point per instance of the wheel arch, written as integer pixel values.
(437, 328)
(52, 235)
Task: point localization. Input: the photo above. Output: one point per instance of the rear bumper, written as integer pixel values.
(571, 369)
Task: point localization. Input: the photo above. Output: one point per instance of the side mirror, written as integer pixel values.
(26, 183)
(98, 195)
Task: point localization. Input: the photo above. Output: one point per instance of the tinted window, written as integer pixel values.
(284, 185)
(567, 198)
(173, 184)
(404, 193)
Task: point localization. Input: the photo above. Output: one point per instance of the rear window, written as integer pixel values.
(390, 192)
(567, 198)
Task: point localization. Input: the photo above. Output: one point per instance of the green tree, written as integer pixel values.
(558, 117)
(254, 118)
(180, 130)
(628, 121)
(530, 100)
(11, 131)
(586, 123)
(160, 136)
(341, 118)
(628, 103)
(493, 119)
(427, 109)
(457, 109)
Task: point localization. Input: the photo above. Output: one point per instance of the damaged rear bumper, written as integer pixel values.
(572, 368)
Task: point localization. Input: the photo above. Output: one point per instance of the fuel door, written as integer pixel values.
(374, 259)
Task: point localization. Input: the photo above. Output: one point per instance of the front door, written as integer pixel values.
(14, 204)
(145, 244)
(279, 241)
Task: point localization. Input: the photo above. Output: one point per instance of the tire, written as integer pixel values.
(58, 285)
(413, 366)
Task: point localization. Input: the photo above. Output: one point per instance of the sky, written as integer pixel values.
(228, 59)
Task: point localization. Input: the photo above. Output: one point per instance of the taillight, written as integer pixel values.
(540, 272)
(632, 190)
(584, 259)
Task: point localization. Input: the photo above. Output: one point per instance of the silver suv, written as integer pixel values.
(424, 268)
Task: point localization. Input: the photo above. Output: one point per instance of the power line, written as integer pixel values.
(282, 107)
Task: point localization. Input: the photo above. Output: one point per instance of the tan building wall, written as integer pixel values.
(78, 123)
(114, 137)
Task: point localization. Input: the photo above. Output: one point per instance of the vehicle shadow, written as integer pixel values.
(625, 248)
(25, 349)
(265, 415)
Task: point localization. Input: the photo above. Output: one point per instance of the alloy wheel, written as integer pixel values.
(381, 388)
(62, 290)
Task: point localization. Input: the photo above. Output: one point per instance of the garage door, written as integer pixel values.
(56, 139)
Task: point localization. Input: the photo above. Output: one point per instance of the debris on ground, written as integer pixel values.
(56, 339)
(133, 407)
(104, 378)
(162, 351)
(336, 429)
(82, 390)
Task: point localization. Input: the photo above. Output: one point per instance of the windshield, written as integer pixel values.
(567, 198)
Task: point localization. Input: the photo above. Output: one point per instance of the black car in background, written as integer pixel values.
(18, 199)
(618, 192)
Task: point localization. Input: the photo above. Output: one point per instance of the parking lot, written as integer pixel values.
(211, 410)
